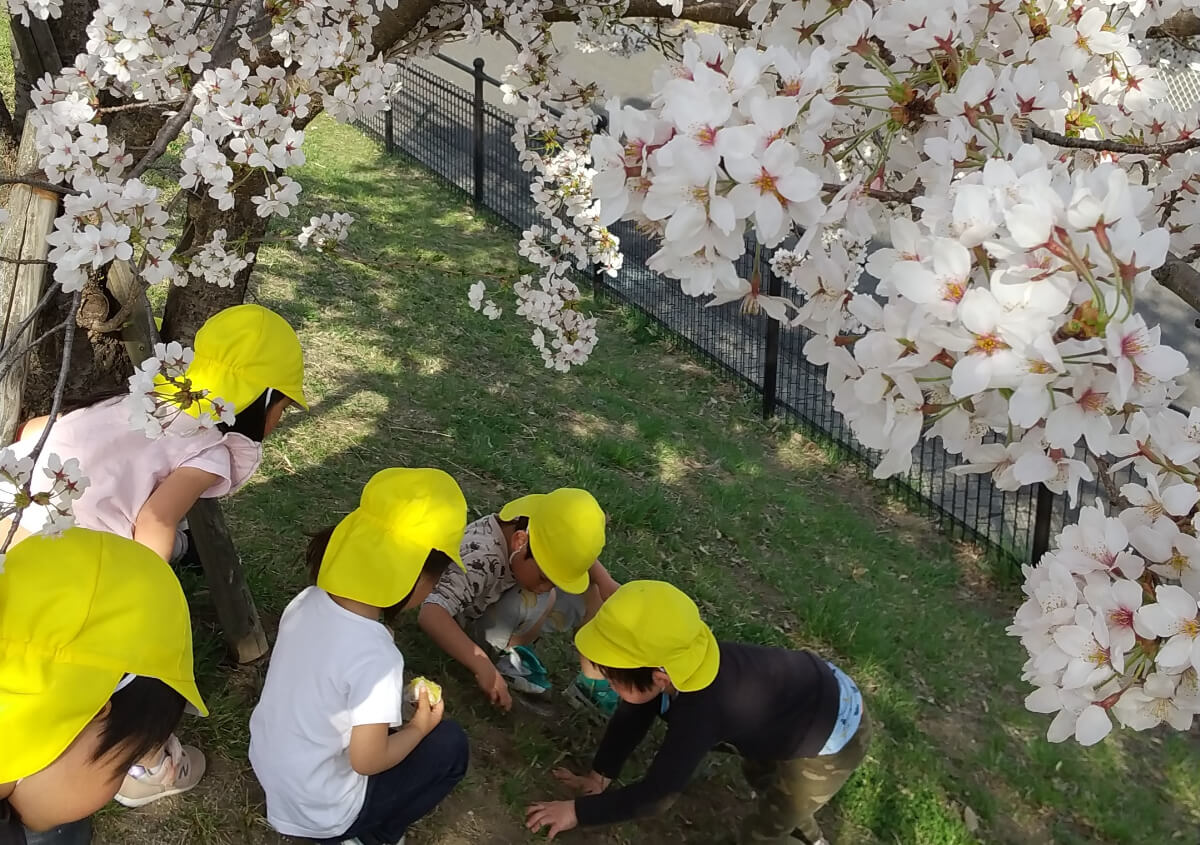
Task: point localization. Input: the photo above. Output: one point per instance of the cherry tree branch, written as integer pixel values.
(1181, 278)
(171, 129)
(879, 194)
(1183, 25)
(723, 12)
(40, 184)
(139, 105)
(1169, 148)
(12, 345)
(33, 344)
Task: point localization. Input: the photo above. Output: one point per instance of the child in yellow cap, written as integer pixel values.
(528, 569)
(321, 738)
(142, 488)
(797, 721)
(95, 670)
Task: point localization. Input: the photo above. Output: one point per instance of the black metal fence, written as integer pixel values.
(453, 131)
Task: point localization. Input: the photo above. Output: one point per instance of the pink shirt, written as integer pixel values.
(124, 466)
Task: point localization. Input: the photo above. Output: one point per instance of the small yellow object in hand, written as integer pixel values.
(434, 691)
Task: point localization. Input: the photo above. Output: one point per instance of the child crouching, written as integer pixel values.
(321, 738)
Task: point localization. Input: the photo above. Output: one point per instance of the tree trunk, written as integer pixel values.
(99, 365)
(188, 307)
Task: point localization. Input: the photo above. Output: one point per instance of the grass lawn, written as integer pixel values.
(778, 544)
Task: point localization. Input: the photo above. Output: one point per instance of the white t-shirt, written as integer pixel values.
(331, 670)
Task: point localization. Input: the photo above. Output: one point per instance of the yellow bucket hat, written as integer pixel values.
(78, 613)
(652, 624)
(242, 351)
(566, 534)
(376, 553)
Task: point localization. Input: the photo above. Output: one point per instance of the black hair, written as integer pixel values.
(641, 679)
(141, 718)
(251, 421)
(521, 523)
(94, 398)
(435, 564)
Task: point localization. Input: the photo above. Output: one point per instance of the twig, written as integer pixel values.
(32, 345)
(41, 184)
(55, 402)
(51, 290)
(170, 130)
(1169, 148)
(419, 430)
(879, 194)
(134, 106)
(1110, 486)
(6, 260)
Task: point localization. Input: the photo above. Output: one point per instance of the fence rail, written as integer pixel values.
(451, 130)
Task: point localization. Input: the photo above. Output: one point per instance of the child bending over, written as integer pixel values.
(528, 569)
(797, 721)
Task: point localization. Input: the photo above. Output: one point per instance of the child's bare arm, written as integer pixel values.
(373, 750)
(443, 630)
(167, 506)
(32, 429)
(603, 581)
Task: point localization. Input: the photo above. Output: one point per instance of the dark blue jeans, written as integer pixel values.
(412, 788)
(75, 833)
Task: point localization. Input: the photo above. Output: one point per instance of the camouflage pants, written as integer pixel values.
(791, 791)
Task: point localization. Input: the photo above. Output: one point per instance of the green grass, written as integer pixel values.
(777, 544)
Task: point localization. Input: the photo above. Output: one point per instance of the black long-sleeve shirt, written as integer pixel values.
(768, 703)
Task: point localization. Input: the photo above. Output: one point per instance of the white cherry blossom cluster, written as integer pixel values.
(67, 484)
(103, 223)
(326, 231)
(246, 86)
(215, 264)
(1005, 319)
(22, 10)
(552, 138)
(243, 119)
(479, 301)
(1110, 621)
(163, 401)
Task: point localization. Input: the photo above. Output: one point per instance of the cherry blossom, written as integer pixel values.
(1172, 616)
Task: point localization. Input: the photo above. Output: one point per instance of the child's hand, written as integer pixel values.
(495, 688)
(593, 783)
(559, 816)
(427, 716)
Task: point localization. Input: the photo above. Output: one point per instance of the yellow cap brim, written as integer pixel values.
(525, 506)
(686, 675)
(529, 506)
(49, 721)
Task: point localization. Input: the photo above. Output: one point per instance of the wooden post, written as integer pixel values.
(227, 580)
(236, 612)
(31, 219)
